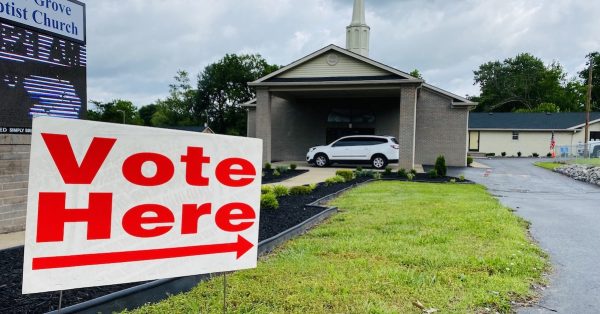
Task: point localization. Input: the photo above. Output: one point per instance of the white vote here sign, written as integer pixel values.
(111, 203)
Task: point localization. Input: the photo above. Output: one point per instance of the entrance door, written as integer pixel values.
(335, 133)
(474, 141)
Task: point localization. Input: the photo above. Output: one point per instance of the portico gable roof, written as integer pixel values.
(332, 65)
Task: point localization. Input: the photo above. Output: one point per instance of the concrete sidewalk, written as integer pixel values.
(10, 240)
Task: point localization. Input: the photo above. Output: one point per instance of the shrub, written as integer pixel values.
(470, 160)
(549, 155)
(461, 178)
(359, 169)
(503, 154)
(264, 189)
(280, 190)
(452, 180)
(268, 166)
(519, 154)
(334, 180)
(282, 169)
(440, 166)
(301, 190)
(536, 155)
(388, 170)
(269, 201)
(410, 176)
(293, 166)
(376, 175)
(276, 173)
(362, 173)
(348, 175)
(402, 173)
(490, 155)
(433, 174)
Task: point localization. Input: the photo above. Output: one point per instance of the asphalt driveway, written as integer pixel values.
(565, 217)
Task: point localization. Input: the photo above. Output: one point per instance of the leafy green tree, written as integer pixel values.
(178, 108)
(114, 111)
(593, 57)
(416, 73)
(522, 82)
(146, 113)
(223, 86)
(543, 107)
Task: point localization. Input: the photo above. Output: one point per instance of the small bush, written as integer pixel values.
(293, 166)
(301, 190)
(402, 173)
(280, 190)
(268, 166)
(549, 155)
(461, 178)
(503, 154)
(413, 172)
(362, 173)
(470, 160)
(410, 176)
(376, 175)
(264, 189)
(490, 155)
(388, 170)
(452, 180)
(269, 201)
(440, 166)
(359, 169)
(334, 180)
(536, 155)
(276, 173)
(348, 175)
(519, 154)
(282, 169)
(433, 174)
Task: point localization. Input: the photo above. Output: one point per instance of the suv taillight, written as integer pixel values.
(394, 146)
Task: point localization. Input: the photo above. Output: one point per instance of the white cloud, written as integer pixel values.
(135, 47)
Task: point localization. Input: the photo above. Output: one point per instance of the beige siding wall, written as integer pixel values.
(528, 143)
(346, 66)
(441, 130)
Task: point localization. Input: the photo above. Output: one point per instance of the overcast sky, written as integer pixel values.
(135, 47)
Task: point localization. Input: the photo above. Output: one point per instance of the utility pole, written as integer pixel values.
(588, 105)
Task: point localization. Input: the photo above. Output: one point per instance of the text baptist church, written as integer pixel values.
(335, 92)
(10, 9)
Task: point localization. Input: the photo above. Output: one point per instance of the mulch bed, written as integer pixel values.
(423, 177)
(272, 222)
(270, 178)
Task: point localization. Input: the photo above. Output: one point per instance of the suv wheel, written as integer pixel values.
(321, 160)
(379, 162)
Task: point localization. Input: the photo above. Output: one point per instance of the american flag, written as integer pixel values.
(552, 142)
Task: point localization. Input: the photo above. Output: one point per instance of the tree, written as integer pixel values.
(416, 73)
(178, 108)
(523, 82)
(593, 57)
(146, 113)
(543, 107)
(114, 111)
(223, 86)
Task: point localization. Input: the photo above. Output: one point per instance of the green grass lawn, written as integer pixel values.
(452, 247)
(550, 165)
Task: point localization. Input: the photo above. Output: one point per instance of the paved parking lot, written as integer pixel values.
(565, 217)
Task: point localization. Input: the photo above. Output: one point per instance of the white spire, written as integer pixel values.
(358, 33)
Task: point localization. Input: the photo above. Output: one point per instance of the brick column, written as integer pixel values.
(263, 121)
(408, 123)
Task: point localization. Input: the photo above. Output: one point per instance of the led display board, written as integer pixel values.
(42, 62)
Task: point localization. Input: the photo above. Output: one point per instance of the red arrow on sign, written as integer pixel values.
(241, 247)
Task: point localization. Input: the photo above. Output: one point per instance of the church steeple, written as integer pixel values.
(358, 33)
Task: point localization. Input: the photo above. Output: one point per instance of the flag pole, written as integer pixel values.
(588, 105)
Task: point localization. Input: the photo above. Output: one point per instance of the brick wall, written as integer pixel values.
(14, 164)
(441, 130)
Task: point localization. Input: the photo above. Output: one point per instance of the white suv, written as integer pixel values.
(376, 150)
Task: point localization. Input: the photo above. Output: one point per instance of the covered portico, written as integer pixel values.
(334, 92)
